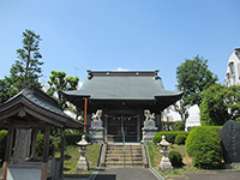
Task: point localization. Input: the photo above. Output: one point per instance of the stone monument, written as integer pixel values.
(165, 163)
(149, 129)
(230, 136)
(96, 130)
(82, 162)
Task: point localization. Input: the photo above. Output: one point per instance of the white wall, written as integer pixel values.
(233, 74)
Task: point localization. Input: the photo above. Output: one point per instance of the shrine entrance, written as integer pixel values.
(123, 129)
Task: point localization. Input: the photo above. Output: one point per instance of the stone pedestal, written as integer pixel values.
(149, 129)
(82, 164)
(165, 164)
(148, 133)
(96, 135)
(96, 130)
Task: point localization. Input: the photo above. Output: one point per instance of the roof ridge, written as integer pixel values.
(122, 73)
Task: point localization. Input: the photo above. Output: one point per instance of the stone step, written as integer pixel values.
(124, 164)
(124, 158)
(124, 150)
(123, 155)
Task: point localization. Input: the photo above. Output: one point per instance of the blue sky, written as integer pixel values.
(79, 35)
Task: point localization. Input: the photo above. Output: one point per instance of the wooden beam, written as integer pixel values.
(85, 113)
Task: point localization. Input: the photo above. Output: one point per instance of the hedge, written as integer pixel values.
(180, 139)
(170, 136)
(203, 144)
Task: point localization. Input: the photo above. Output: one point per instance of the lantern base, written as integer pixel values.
(82, 164)
(165, 164)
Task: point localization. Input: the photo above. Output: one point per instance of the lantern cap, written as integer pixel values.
(164, 142)
(83, 141)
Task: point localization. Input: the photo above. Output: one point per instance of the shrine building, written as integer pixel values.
(122, 97)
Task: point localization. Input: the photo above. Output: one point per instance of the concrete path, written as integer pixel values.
(126, 174)
(215, 175)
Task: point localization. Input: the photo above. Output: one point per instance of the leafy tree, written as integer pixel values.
(232, 100)
(213, 107)
(193, 76)
(27, 69)
(59, 82)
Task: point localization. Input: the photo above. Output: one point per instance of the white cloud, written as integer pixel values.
(121, 69)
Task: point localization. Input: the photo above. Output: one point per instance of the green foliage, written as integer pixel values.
(27, 69)
(170, 136)
(193, 76)
(204, 146)
(213, 108)
(3, 139)
(40, 145)
(60, 82)
(176, 159)
(72, 137)
(179, 126)
(180, 139)
(232, 99)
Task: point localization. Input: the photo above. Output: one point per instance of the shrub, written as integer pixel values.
(175, 158)
(179, 126)
(40, 145)
(3, 139)
(170, 136)
(72, 137)
(180, 139)
(204, 146)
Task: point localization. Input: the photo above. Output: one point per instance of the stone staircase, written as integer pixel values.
(124, 156)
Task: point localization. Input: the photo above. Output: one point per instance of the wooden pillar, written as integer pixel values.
(138, 129)
(85, 113)
(8, 152)
(44, 174)
(62, 153)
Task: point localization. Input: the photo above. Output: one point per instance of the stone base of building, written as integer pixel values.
(96, 135)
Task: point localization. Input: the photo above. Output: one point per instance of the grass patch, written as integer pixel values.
(154, 154)
(155, 158)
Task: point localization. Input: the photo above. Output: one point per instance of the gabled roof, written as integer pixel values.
(39, 104)
(123, 85)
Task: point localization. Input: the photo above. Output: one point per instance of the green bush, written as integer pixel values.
(179, 126)
(40, 145)
(72, 137)
(170, 136)
(175, 158)
(204, 146)
(3, 139)
(180, 139)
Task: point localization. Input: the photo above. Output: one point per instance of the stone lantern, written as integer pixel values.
(83, 162)
(165, 163)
